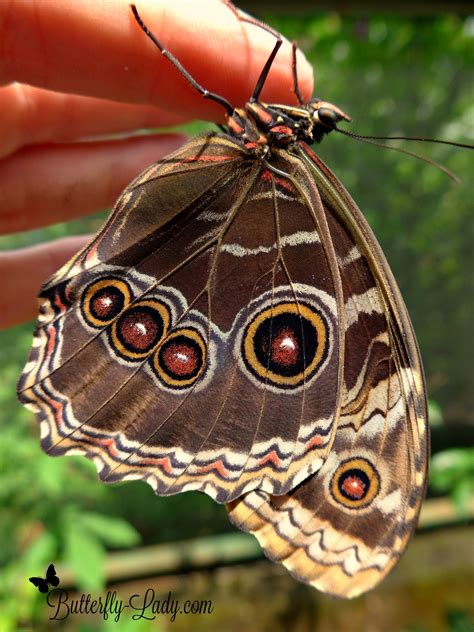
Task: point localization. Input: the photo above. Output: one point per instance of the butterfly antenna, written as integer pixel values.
(212, 96)
(296, 87)
(251, 20)
(414, 138)
(370, 141)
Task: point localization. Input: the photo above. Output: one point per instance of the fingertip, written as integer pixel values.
(24, 271)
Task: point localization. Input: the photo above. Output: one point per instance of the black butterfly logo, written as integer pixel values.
(51, 579)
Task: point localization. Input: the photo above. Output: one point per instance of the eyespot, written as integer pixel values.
(103, 300)
(355, 483)
(140, 329)
(181, 358)
(285, 344)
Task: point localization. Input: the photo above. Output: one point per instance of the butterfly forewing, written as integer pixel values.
(343, 528)
(198, 349)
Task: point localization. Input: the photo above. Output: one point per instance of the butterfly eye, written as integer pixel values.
(103, 301)
(181, 359)
(355, 483)
(285, 344)
(327, 116)
(139, 329)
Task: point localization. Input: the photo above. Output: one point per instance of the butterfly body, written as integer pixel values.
(234, 328)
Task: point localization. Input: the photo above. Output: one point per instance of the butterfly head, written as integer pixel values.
(324, 117)
(264, 126)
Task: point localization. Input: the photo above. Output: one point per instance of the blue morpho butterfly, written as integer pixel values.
(234, 328)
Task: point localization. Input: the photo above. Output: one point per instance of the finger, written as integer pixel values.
(97, 49)
(33, 115)
(24, 271)
(52, 183)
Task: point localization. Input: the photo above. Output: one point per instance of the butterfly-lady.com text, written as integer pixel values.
(146, 606)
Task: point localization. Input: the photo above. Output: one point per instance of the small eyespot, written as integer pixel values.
(355, 483)
(103, 300)
(140, 329)
(181, 358)
(285, 344)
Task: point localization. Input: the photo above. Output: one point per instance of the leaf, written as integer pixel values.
(111, 531)
(51, 475)
(452, 471)
(461, 495)
(86, 556)
(435, 414)
(40, 553)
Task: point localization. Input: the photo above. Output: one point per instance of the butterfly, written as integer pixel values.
(51, 579)
(234, 328)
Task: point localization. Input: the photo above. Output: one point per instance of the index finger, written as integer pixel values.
(97, 49)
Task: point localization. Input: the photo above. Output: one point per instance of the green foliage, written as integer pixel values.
(452, 472)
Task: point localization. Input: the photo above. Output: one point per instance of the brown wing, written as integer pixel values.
(194, 343)
(345, 527)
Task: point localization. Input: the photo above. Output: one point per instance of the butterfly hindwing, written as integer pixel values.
(344, 527)
(196, 349)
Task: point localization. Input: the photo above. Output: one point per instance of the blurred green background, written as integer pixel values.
(393, 75)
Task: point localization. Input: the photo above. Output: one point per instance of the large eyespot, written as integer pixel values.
(355, 483)
(140, 329)
(103, 301)
(181, 358)
(285, 344)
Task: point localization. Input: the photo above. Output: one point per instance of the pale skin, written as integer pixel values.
(70, 70)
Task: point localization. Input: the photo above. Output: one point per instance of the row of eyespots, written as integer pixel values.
(285, 344)
(355, 483)
(141, 329)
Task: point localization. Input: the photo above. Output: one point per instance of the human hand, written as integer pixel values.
(76, 70)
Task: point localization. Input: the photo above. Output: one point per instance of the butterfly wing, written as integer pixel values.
(191, 343)
(51, 576)
(345, 527)
(41, 584)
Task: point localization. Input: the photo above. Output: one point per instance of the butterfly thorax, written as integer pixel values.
(261, 126)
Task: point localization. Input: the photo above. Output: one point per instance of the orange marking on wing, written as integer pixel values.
(204, 158)
(267, 176)
(58, 302)
(285, 184)
(315, 441)
(93, 249)
(217, 465)
(109, 444)
(58, 413)
(51, 340)
(271, 457)
(164, 463)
